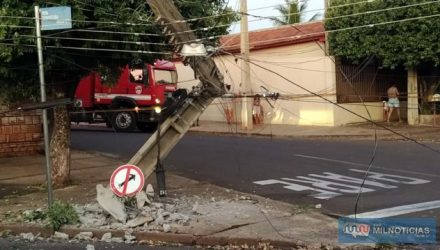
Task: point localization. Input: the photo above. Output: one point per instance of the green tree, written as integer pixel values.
(407, 43)
(395, 33)
(125, 23)
(293, 11)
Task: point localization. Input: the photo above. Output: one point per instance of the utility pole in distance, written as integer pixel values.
(326, 3)
(246, 103)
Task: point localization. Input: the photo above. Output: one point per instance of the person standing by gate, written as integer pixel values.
(393, 101)
(229, 101)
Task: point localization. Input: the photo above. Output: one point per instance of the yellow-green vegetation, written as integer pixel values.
(61, 213)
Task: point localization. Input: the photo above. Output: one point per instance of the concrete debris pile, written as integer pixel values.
(141, 212)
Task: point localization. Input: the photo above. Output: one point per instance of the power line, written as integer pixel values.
(86, 21)
(110, 50)
(383, 23)
(99, 40)
(115, 32)
(17, 17)
(205, 17)
(371, 25)
(93, 49)
(273, 18)
(17, 26)
(333, 6)
(381, 10)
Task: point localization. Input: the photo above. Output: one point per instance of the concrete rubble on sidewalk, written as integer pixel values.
(110, 203)
(111, 213)
(60, 236)
(193, 212)
(200, 216)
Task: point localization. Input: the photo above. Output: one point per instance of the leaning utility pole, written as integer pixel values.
(246, 103)
(188, 108)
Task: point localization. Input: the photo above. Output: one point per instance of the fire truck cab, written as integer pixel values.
(135, 100)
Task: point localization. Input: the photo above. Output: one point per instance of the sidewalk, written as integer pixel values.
(385, 131)
(355, 131)
(217, 216)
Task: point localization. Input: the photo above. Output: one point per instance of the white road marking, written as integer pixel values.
(343, 178)
(320, 193)
(392, 178)
(363, 165)
(330, 185)
(394, 211)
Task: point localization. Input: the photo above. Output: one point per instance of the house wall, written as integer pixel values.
(303, 64)
(20, 133)
(375, 110)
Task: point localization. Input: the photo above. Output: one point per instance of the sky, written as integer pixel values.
(313, 7)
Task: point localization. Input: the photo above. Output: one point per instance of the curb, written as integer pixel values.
(386, 137)
(184, 239)
(243, 134)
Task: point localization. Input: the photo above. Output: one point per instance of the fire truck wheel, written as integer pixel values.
(124, 121)
(147, 126)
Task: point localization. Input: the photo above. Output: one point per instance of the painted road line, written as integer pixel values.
(394, 211)
(364, 165)
(328, 185)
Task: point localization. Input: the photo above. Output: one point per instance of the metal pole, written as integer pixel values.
(43, 99)
(160, 171)
(246, 109)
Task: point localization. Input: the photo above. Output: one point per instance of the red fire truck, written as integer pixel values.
(134, 101)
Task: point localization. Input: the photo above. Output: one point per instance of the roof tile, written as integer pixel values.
(276, 37)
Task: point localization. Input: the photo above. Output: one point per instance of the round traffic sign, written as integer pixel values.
(127, 180)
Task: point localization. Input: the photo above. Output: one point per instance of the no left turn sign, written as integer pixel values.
(127, 180)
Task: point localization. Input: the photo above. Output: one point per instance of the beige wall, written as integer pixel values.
(305, 65)
(375, 110)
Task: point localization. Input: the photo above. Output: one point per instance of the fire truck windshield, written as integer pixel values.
(165, 76)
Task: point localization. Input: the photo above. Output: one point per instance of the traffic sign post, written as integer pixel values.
(127, 180)
(51, 19)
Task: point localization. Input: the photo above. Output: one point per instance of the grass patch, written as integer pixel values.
(61, 213)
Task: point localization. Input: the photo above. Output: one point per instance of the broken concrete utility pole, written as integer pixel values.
(192, 106)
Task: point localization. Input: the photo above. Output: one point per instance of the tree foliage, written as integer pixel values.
(381, 33)
(293, 11)
(64, 67)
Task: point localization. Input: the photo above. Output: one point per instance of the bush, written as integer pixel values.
(61, 213)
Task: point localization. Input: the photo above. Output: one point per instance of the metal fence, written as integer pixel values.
(366, 82)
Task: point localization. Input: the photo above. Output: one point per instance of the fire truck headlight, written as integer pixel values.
(157, 100)
(157, 110)
(136, 109)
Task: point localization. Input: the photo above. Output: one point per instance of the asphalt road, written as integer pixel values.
(403, 180)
